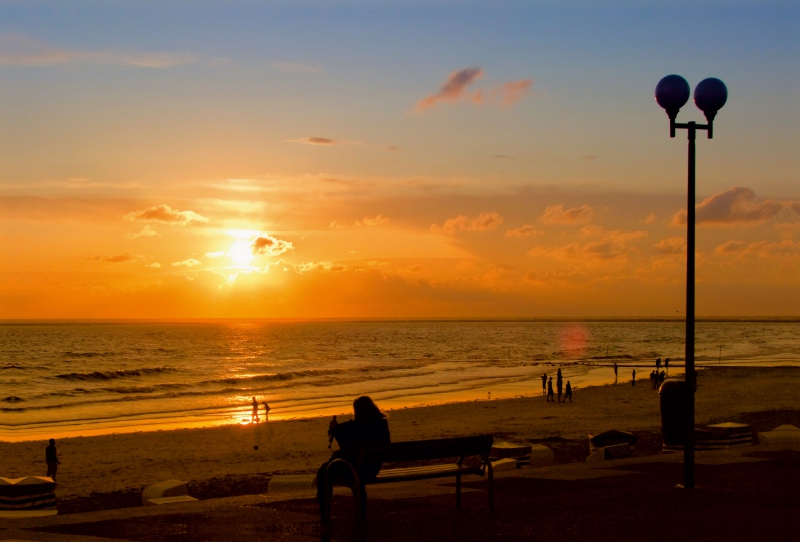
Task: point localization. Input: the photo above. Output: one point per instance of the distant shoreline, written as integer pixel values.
(622, 319)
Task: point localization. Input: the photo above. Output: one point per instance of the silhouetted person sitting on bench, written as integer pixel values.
(367, 428)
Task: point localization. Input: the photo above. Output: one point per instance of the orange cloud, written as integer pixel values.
(375, 221)
(483, 222)
(671, 245)
(324, 141)
(737, 205)
(556, 214)
(269, 246)
(191, 262)
(147, 231)
(167, 215)
(524, 231)
(125, 257)
(731, 247)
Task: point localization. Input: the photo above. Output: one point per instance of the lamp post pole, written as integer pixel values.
(710, 95)
(689, 375)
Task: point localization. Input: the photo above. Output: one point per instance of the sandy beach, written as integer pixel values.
(223, 460)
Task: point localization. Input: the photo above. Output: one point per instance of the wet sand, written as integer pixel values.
(223, 460)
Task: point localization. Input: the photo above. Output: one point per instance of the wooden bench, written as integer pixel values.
(419, 450)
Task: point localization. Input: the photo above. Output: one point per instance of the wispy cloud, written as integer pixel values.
(556, 214)
(21, 50)
(147, 231)
(372, 221)
(191, 262)
(455, 89)
(125, 257)
(324, 141)
(269, 246)
(524, 231)
(452, 90)
(737, 205)
(483, 222)
(165, 214)
(671, 245)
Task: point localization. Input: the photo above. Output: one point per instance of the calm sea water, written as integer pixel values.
(58, 379)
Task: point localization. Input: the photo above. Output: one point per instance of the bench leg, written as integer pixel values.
(491, 488)
(458, 491)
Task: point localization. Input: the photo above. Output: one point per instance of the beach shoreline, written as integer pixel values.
(125, 463)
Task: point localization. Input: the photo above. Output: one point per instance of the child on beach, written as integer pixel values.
(266, 411)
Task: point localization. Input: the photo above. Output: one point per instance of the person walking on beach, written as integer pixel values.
(266, 411)
(615, 372)
(544, 384)
(51, 458)
(633, 379)
(569, 393)
(367, 428)
(332, 430)
(550, 390)
(666, 365)
(254, 415)
(559, 383)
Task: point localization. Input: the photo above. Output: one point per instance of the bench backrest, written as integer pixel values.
(416, 450)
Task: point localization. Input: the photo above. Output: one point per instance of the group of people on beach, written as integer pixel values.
(547, 388)
(254, 417)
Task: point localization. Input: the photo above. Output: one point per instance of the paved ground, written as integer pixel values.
(744, 494)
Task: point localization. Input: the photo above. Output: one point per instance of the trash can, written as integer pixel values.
(674, 417)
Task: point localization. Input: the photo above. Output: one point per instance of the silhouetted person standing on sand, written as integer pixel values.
(550, 390)
(254, 415)
(51, 458)
(544, 383)
(633, 379)
(266, 411)
(615, 372)
(331, 430)
(559, 383)
(666, 365)
(569, 393)
(367, 428)
(658, 365)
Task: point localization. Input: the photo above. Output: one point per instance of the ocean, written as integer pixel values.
(68, 379)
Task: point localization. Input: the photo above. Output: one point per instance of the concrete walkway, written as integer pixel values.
(743, 493)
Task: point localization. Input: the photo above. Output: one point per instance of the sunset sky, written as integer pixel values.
(392, 159)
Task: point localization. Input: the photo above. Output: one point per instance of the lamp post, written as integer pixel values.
(672, 93)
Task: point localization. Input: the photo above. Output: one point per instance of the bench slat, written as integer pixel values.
(425, 472)
(416, 450)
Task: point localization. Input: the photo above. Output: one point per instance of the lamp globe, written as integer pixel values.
(709, 96)
(672, 93)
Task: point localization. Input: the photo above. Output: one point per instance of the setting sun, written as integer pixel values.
(241, 253)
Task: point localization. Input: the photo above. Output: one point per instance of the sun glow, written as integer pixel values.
(241, 253)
